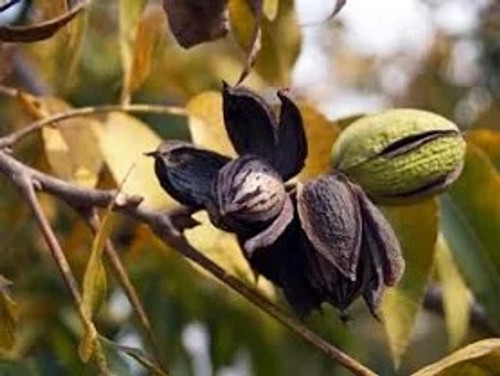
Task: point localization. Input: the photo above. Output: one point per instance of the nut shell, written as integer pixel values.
(400, 155)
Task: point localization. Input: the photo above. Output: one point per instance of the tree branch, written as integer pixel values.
(162, 223)
(25, 183)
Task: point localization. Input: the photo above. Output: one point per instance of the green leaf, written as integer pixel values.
(489, 141)
(471, 225)
(416, 227)
(478, 359)
(137, 355)
(456, 297)
(129, 16)
(24, 368)
(8, 316)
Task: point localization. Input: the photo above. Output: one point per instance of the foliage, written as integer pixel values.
(72, 58)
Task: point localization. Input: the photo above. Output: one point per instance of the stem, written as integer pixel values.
(132, 295)
(20, 134)
(25, 185)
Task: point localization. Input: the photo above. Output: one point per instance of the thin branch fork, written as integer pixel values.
(164, 225)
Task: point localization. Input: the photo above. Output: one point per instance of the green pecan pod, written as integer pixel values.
(400, 155)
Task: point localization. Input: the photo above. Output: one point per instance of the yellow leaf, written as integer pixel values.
(207, 123)
(87, 344)
(270, 9)
(149, 30)
(456, 297)
(321, 135)
(478, 359)
(94, 279)
(71, 149)
(8, 316)
(416, 228)
(123, 139)
(129, 15)
(223, 249)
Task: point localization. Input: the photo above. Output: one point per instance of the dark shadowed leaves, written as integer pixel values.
(196, 21)
(8, 316)
(471, 225)
(187, 172)
(42, 30)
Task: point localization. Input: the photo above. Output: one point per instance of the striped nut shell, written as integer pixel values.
(247, 194)
(400, 155)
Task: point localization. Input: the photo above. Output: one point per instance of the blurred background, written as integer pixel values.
(442, 56)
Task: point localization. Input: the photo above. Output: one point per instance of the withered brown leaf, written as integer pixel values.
(196, 21)
(42, 30)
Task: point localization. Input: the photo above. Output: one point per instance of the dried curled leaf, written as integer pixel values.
(196, 21)
(42, 30)
(186, 172)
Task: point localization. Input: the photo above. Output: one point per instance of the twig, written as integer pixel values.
(162, 224)
(13, 138)
(128, 287)
(24, 183)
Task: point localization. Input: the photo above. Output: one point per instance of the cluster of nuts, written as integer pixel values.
(324, 241)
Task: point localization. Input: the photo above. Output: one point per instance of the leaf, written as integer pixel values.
(416, 227)
(223, 249)
(71, 149)
(123, 139)
(94, 279)
(207, 123)
(321, 135)
(471, 225)
(489, 141)
(246, 22)
(19, 368)
(129, 17)
(136, 354)
(42, 30)
(148, 33)
(456, 297)
(270, 9)
(193, 22)
(478, 359)
(8, 316)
